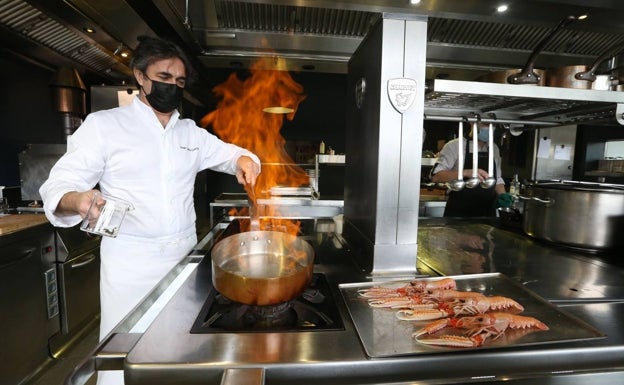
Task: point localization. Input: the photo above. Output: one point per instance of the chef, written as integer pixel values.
(145, 154)
(477, 201)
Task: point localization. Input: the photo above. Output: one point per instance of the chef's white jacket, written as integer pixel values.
(132, 157)
(127, 151)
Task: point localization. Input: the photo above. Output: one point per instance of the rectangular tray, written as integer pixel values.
(384, 335)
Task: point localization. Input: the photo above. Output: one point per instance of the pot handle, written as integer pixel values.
(546, 202)
(590, 74)
(528, 75)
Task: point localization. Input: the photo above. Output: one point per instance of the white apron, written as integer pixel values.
(130, 268)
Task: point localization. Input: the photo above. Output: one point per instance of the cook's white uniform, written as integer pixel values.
(127, 151)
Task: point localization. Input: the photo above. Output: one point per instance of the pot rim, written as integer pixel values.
(577, 186)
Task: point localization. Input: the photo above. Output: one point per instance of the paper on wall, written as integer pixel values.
(563, 152)
(543, 149)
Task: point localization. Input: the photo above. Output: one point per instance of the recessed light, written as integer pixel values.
(414, 2)
(502, 8)
(124, 54)
(88, 30)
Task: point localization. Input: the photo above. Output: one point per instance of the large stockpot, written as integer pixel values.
(576, 214)
(262, 267)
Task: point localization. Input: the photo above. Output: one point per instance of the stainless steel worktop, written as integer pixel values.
(166, 352)
(455, 247)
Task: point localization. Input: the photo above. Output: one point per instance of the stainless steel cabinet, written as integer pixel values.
(28, 302)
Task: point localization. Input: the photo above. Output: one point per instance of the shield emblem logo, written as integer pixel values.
(402, 92)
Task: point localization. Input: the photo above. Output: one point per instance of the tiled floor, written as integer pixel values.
(60, 368)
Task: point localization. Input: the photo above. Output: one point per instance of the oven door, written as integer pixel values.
(79, 302)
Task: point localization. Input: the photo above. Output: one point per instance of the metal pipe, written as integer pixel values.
(486, 120)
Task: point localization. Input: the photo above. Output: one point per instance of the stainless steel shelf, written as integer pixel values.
(521, 104)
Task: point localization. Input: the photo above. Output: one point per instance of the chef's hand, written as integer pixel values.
(481, 174)
(75, 202)
(247, 170)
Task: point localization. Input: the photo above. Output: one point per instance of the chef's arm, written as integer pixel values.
(444, 176)
(247, 170)
(75, 202)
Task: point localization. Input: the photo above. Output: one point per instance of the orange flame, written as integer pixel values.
(240, 119)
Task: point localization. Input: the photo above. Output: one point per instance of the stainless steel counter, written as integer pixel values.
(166, 352)
(454, 247)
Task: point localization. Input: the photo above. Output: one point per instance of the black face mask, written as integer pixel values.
(165, 97)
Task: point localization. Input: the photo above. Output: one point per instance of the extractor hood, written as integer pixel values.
(464, 38)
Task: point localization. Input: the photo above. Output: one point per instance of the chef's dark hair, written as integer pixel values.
(152, 49)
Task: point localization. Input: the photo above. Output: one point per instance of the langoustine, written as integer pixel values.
(414, 287)
(478, 328)
(475, 303)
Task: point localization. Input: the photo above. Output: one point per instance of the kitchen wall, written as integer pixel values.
(321, 116)
(27, 113)
(590, 144)
(29, 117)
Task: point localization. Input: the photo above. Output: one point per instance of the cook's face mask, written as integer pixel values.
(164, 97)
(484, 134)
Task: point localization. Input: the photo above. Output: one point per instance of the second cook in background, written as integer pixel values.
(477, 201)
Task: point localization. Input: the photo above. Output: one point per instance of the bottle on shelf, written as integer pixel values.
(322, 147)
(514, 188)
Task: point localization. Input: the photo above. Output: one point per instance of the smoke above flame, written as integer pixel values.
(239, 119)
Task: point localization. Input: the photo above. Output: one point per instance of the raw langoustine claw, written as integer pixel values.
(411, 302)
(478, 328)
(421, 314)
(423, 285)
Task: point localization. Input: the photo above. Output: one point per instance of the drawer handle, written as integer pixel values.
(87, 259)
(22, 257)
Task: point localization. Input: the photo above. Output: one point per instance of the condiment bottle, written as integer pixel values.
(322, 147)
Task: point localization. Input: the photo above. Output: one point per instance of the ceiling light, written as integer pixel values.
(124, 54)
(88, 30)
(414, 2)
(582, 17)
(502, 8)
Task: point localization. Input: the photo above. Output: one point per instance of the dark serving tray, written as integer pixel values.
(384, 335)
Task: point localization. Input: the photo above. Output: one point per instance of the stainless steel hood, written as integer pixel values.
(463, 38)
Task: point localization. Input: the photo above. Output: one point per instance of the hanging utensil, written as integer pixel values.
(458, 184)
(490, 180)
(474, 180)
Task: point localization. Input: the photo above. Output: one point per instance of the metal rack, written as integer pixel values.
(455, 100)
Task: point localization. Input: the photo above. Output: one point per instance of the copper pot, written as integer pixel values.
(586, 77)
(262, 267)
(564, 77)
(528, 75)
